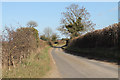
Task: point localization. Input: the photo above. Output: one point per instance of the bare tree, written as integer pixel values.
(48, 32)
(32, 24)
(75, 21)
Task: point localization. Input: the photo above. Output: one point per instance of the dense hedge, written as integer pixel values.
(107, 37)
(101, 44)
(19, 45)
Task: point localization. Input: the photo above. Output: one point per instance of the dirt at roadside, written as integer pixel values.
(53, 73)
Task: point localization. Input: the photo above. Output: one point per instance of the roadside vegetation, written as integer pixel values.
(100, 44)
(49, 36)
(84, 41)
(34, 66)
(24, 54)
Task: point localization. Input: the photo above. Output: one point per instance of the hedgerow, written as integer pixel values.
(19, 44)
(107, 37)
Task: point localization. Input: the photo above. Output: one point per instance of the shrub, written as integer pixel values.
(102, 44)
(19, 45)
(107, 37)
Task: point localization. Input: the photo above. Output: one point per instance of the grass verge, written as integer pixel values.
(35, 66)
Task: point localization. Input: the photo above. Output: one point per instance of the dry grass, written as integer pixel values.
(35, 66)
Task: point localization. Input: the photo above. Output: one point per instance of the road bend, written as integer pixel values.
(70, 66)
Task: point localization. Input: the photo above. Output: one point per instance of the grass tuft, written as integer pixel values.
(35, 66)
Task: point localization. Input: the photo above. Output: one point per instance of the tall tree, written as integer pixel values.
(75, 21)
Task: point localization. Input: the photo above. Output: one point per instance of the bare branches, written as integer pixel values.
(19, 44)
(48, 32)
(75, 20)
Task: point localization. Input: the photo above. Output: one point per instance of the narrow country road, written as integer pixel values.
(70, 66)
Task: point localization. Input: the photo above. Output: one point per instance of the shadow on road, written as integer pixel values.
(88, 56)
(93, 57)
(59, 46)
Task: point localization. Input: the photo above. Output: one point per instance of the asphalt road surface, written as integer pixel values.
(70, 66)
